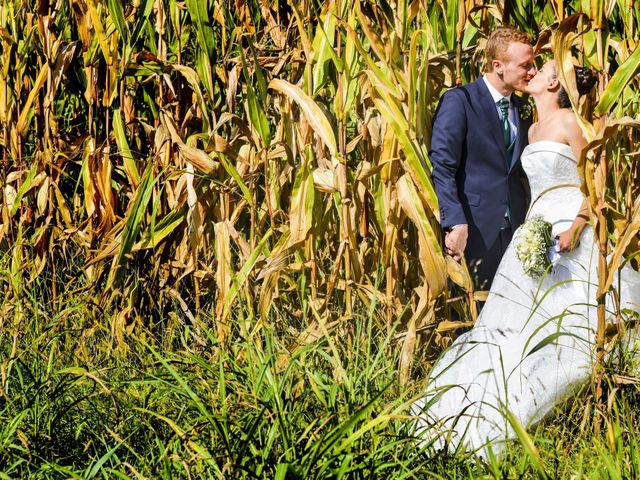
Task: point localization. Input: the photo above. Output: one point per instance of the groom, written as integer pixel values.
(479, 132)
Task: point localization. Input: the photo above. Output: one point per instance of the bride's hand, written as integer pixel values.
(569, 239)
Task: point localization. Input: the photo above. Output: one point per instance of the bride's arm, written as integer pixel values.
(570, 239)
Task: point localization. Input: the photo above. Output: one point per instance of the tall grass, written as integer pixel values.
(186, 406)
(74, 404)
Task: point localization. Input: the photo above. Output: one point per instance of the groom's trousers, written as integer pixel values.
(483, 265)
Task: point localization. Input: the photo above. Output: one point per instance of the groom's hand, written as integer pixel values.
(455, 241)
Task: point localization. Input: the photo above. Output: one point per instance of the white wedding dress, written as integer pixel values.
(533, 343)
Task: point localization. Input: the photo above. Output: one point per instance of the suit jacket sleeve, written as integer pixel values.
(447, 144)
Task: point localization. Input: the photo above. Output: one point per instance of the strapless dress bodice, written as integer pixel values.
(548, 164)
(553, 177)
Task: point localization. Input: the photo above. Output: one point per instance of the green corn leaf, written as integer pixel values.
(453, 12)
(99, 31)
(204, 31)
(625, 73)
(417, 162)
(301, 213)
(329, 49)
(352, 68)
(133, 224)
(256, 112)
(206, 54)
(243, 274)
(117, 16)
(143, 21)
(382, 73)
(231, 170)
(260, 78)
(162, 229)
(414, 85)
(322, 50)
(24, 188)
(130, 166)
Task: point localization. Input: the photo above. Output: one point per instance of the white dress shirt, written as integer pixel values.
(513, 115)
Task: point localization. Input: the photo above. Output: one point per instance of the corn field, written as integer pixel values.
(238, 168)
(173, 157)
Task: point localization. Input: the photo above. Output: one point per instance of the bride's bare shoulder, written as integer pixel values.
(569, 122)
(561, 126)
(567, 115)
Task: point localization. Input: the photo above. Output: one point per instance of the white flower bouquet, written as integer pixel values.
(532, 242)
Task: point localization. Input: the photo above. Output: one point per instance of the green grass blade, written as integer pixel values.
(527, 443)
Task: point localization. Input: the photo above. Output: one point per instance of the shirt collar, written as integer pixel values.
(495, 94)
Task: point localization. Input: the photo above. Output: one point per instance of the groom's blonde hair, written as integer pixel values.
(499, 42)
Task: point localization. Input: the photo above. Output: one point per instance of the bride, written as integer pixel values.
(533, 343)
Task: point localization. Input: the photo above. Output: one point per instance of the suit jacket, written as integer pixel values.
(470, 173)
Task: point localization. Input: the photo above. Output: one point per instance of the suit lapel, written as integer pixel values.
(490, 112)
(523, 129)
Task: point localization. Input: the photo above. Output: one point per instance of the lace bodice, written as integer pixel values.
(553, 176)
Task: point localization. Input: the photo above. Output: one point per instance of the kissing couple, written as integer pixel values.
(532, 345)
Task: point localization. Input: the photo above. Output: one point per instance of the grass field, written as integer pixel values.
(172, 402)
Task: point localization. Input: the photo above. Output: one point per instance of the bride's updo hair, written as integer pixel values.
(586, 79)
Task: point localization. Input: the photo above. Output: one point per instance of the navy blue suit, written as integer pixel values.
(471, 176)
